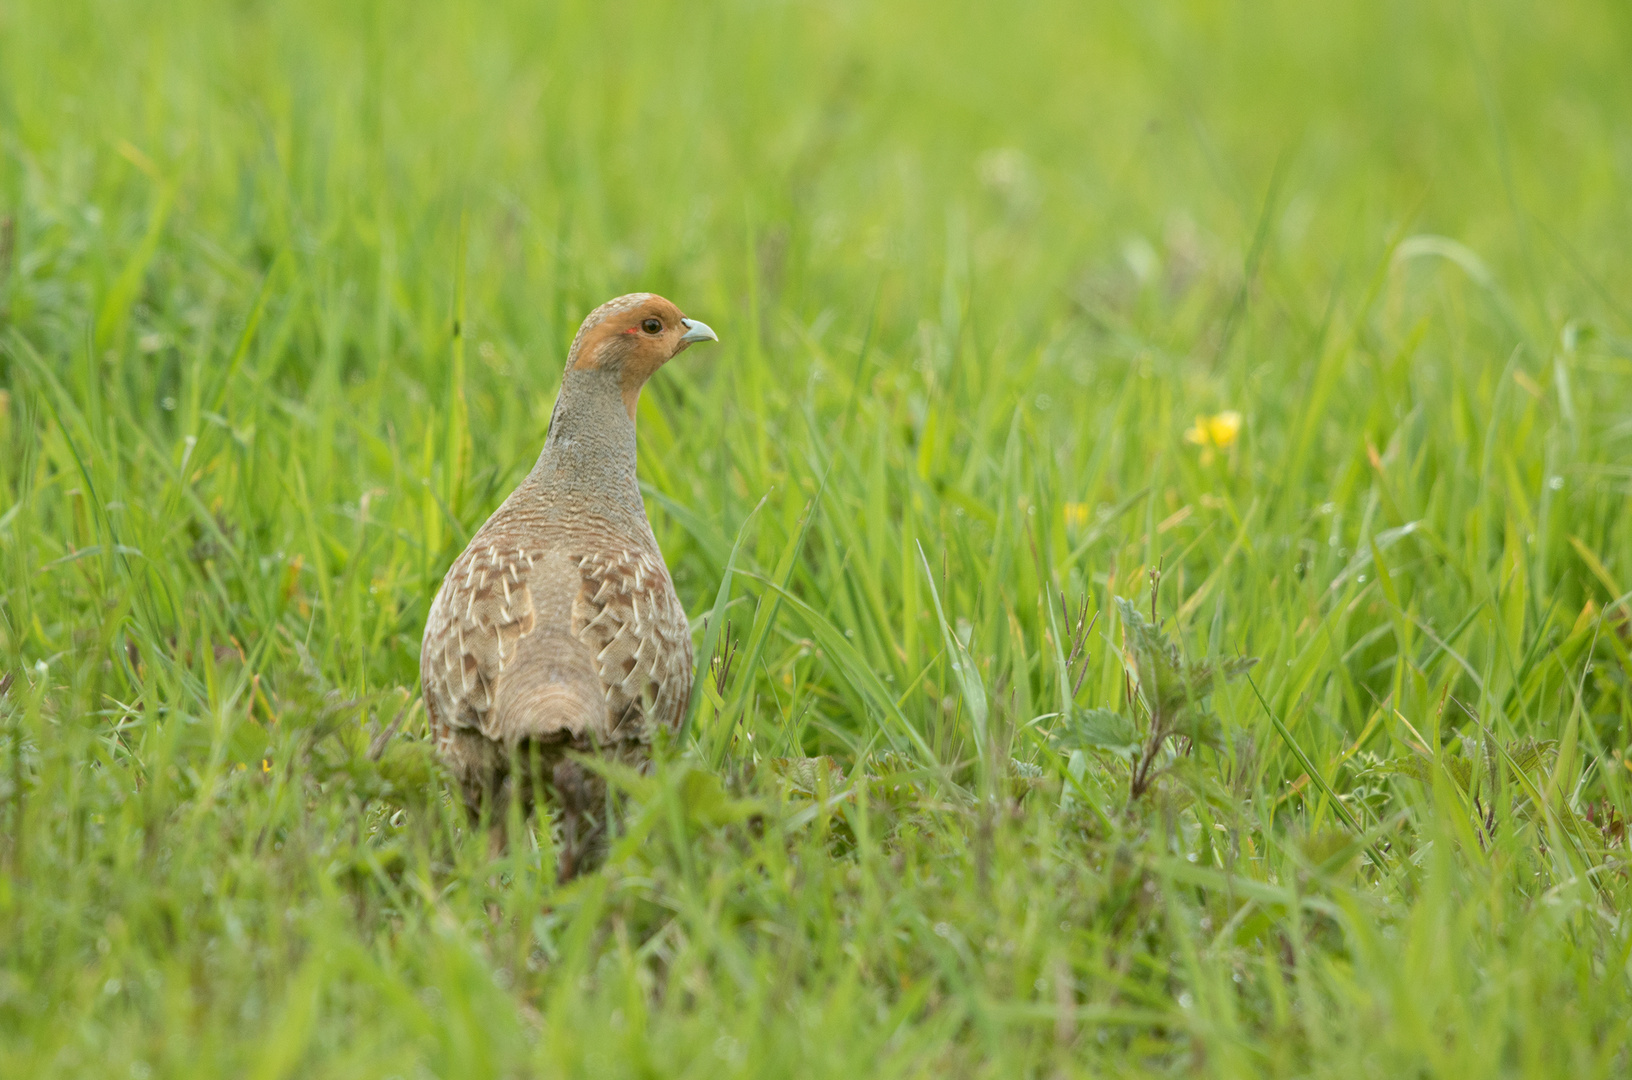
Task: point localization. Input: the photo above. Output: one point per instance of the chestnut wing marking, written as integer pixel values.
(628, 615)
(475, 627)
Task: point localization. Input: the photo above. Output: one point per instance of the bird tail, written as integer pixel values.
(555, 694)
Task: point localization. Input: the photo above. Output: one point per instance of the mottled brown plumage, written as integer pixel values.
(558, 628)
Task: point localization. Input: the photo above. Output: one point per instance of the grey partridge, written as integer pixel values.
(558, 630)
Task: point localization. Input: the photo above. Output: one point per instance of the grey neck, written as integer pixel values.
(588, 463)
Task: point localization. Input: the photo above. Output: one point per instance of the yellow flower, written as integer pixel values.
(1217, 432)
(1076, 515)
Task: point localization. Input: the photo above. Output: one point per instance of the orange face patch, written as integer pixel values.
(634, 335)
(615, 334)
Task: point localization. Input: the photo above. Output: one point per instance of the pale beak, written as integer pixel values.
(697, 330)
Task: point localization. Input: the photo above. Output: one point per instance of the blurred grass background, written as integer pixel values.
(285, 290)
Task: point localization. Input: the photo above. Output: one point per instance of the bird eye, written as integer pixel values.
(652, 326)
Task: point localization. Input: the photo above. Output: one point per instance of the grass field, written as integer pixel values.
(1319, 314)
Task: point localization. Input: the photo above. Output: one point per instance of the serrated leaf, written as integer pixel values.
(1156, 663)
(1202, 726)
(1172, 686)
(1097, 729)
(807, 775)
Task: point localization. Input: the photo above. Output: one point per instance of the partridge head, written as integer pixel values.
(630, 338)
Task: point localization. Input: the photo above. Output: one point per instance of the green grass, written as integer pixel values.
(284, 295)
